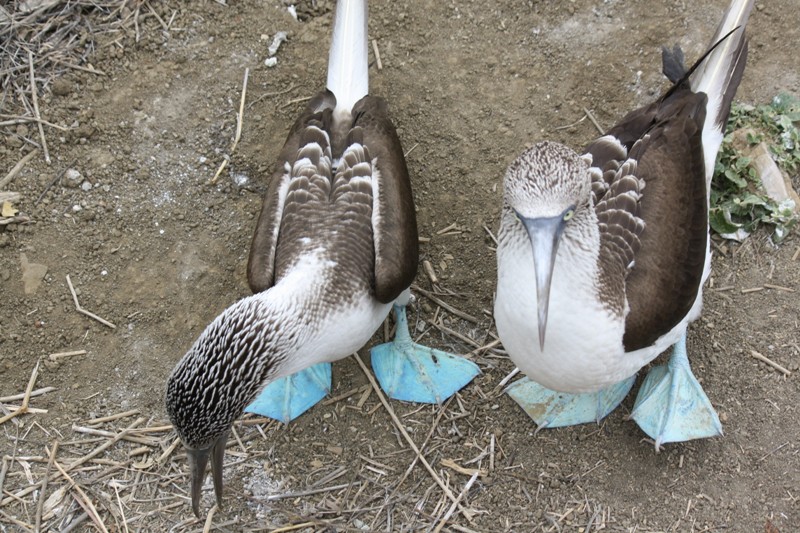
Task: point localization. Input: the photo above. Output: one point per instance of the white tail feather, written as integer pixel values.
(713, 76)
(348, 66)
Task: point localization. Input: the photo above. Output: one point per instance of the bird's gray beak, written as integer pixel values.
(545, 234)
(198, 459)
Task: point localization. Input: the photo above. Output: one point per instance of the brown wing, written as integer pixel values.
(394, 222)
(620, 227)
(261, 264)
(667, 274)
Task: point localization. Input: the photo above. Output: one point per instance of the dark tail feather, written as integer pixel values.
(673, 63)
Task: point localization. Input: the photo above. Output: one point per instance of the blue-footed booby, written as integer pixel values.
(602, 256)
(334, 248)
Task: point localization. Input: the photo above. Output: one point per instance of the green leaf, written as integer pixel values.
(735, 178)
(721, 222)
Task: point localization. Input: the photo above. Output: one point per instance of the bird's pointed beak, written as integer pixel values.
(545, 234)
(198, 459)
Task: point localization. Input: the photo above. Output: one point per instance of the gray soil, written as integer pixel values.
(155, 249)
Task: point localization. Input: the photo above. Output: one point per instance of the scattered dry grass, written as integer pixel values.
(52, 37)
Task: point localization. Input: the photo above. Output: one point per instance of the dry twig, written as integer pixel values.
(783, 370)
(239, 122)
(377, 54)
(36, 114)
(26, 399)
(589, 114)
(80, 309)
(20, 164)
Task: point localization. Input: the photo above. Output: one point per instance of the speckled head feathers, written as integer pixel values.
(220, 374)
(545, 180)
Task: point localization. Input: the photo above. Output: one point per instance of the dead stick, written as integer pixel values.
(86, 503)
(594, 121)
(38, 116)
(25, 526)
(111, 418)
(449, 512)
(209, 519)
(778, 287)
(33, 394)
(309, 492)
(40, 503)
(786, 372)
(429, 271)
(27, 120)
(9, 196)
(78, 67)
(100, 449)
(491, 235)
(294, 527)
(55, 180)
(110, 434)
(377, 54)
(163, 457)
(405, 434)
(267, 95)
(80, 309)
(239, 122)
(3, 472)
(429, 295)
(121, 508)
(26, 399)
(296, 101)
(20, 164)
(59, 355)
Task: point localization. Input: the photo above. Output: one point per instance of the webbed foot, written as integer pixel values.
(289, 397)
(415, 373)
(550, 409)
(672, 406)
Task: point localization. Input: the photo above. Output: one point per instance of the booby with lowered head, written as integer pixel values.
(602, 257)
(334, 248)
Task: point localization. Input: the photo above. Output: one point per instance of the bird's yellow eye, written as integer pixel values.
(568, 215)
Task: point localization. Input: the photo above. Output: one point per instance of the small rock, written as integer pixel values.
(84, 131)
(32, 274)
(72, 178)
(776, 184)
(86, 186)
(61, 87)
(13, 141)
(276, 43)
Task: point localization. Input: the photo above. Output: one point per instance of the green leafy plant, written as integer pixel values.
(738, 202)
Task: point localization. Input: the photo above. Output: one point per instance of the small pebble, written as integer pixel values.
(72, 178)
(61, 87)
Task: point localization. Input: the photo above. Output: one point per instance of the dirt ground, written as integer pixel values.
(153, 248)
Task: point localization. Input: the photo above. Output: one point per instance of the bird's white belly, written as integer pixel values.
(583, 349)
(341, 333)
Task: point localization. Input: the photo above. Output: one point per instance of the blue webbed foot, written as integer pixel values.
(558, 409)
(415, 373)
(671, 405)
(289, 397)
